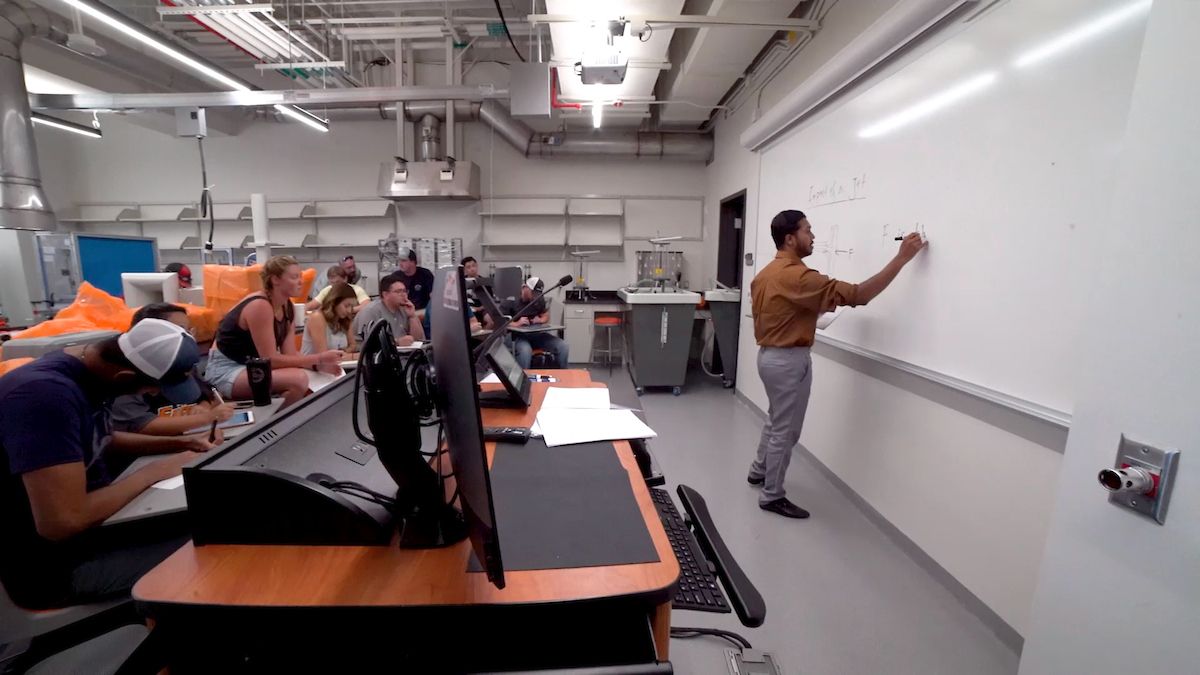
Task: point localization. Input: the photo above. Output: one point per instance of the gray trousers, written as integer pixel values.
(786, 374)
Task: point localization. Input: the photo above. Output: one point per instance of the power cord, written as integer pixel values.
(504, 22)
(206, 205)
(686, 632)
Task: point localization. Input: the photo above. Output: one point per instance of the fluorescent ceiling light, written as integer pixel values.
(1082, 33)
(930, 105)
(304, 117)
(158, 45)
(597, 113)
(127, 27)
(64, 125)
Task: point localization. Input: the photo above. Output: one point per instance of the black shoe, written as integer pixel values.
(754, 481)
(784, 508)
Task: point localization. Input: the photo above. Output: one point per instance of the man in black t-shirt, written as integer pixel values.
(418, 281)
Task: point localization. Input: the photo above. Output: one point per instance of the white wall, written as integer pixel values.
(1118, 593)
(926, 460)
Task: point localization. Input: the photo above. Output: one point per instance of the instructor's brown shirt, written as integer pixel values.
(787, 297)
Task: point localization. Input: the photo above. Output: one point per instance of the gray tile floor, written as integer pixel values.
(842, 598)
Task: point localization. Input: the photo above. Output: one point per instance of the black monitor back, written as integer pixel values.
(458, 405)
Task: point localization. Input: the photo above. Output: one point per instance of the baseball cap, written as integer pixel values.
(534, 284)
(164, 352)
(184, 272)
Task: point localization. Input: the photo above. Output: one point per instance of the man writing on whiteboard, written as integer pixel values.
(787, 297)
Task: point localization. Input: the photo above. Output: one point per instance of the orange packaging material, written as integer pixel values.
(10, 365)
(225, 285)
(93, 309)
(307, 277)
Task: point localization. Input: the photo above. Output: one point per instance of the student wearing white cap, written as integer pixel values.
(537, 315)
(53, 488)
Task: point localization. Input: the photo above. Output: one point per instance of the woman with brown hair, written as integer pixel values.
(330, 327)
(254, 329)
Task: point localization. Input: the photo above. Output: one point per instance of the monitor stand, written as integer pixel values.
(500, 398)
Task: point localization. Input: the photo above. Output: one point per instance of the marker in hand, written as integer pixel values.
(212, 433)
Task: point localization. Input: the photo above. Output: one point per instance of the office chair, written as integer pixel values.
(89, 634)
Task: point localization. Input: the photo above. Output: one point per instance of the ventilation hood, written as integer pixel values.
(437, 179)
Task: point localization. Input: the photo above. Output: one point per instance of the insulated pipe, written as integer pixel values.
(685, 147)
(23, 203)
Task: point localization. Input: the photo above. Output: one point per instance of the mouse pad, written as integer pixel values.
(570, 506)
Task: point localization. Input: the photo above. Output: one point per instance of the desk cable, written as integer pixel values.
(685, 632)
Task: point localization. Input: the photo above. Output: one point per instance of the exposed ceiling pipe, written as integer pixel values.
(23, 202)
(685, 147)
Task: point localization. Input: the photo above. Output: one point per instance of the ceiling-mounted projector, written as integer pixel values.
(602, 66)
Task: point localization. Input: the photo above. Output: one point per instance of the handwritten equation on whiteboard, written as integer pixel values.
(838, 190)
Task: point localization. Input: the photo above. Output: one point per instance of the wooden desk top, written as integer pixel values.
(357, 576)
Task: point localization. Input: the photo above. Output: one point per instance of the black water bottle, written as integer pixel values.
(258, 371)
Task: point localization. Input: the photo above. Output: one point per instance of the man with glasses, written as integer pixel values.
(392, 306)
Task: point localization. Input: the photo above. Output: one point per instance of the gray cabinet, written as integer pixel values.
(578, 318)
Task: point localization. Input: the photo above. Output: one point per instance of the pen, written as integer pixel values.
(212, 433)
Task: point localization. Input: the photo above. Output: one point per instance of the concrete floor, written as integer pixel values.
(842, 598)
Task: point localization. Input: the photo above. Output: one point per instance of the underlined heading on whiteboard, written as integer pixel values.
(838, 190)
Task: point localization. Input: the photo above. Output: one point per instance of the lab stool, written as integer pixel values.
(608, 324)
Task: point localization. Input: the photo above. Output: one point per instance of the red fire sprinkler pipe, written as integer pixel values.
(554, 102)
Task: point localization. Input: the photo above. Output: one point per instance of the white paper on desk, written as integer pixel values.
(415, 345)
(491, 379)
(318, 380)
(566, 426)
(169, 484)
(576, 398)
(535, 430)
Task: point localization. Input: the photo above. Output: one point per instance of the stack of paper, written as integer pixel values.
(567, 426)
(576, 398)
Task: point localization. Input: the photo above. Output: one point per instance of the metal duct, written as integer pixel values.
(23, 203)
(645, 144)
(429, 139)
(684, 147)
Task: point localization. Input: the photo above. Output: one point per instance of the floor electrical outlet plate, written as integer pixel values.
(751, 662)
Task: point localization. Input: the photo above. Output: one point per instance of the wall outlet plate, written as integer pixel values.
(1164, 463)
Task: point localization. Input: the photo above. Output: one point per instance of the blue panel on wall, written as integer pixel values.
(103, 259)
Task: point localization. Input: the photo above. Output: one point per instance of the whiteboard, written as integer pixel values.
(1009, 182)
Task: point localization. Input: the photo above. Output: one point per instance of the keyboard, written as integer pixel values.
(697, 589)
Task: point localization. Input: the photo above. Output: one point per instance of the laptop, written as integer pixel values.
(516, 392)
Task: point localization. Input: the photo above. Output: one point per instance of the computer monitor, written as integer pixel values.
(507, 283)
(458, 404)
(144, 288)
(516, 392)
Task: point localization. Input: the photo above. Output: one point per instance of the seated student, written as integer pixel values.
(53, 493)
(182, 271)
(536, 315)
(151, 412)
(471, 271)
(260, 326)
(392, 306)
(330, 328)
(337, 276)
